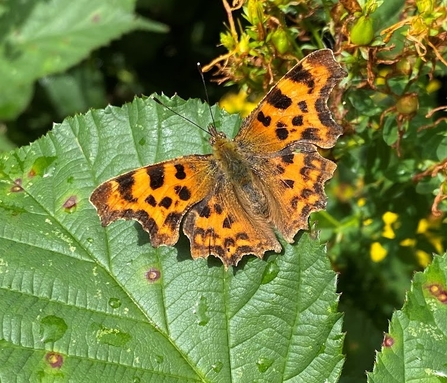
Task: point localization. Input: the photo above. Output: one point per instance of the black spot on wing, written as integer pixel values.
(172, 220)
(303, 106)
(263, 119)
(299, 74)
(228, 221)
(279, 100)
(125, 183)
(310, 134)
(242, 236)
(297, 121)
(205, 212)
(218, 208)
(180, 174)
(287, 158)
(151, 200)
(306, 193)
(183, 192)
(166, 202)
(282, 133)
(289, 183)
(157, 176)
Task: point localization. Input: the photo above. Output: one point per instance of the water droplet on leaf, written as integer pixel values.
(270, 273)
(264, 364)
(52, 328)
(114, 303)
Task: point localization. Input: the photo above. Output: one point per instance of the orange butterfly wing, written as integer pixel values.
(157, 196)
(222, 226)
(294, 186)
(295, 109)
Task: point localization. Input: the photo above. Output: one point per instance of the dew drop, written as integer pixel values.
(52, 328)
(270, 273)
(111, 336)
(136, 380)
(201, 312)
(114, 303)
(217, 367)
(264, 364)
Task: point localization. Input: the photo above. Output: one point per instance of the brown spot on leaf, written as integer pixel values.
(435, 289)
(54, 359)
(17, 187)
(388, 341)
(70, 203)
(153, 275)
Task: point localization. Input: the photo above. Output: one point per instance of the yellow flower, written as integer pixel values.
(408, 242)
(237, 103)
(423, 258)
(389, 218)
(377, 252)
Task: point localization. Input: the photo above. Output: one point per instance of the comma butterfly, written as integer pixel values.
(269, 176)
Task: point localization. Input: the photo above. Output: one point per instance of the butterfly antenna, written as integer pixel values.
(199, 68)
(178, 114)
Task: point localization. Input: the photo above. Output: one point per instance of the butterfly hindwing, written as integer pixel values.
(222, 226)
(294, 183)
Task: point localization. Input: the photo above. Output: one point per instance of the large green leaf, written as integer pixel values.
(81, 302)
(415, 348)
(42, 37)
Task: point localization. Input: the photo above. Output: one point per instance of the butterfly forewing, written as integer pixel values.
(295, 109)
(157, 196)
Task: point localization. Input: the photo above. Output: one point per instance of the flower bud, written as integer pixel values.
(362, 32)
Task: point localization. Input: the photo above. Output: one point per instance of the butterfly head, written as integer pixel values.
(216, 136)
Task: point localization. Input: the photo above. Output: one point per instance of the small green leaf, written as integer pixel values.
(415, 347)
(78, 300)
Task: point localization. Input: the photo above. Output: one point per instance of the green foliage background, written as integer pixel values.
(385, 217)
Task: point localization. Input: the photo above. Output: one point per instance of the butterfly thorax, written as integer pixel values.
(236, 169)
